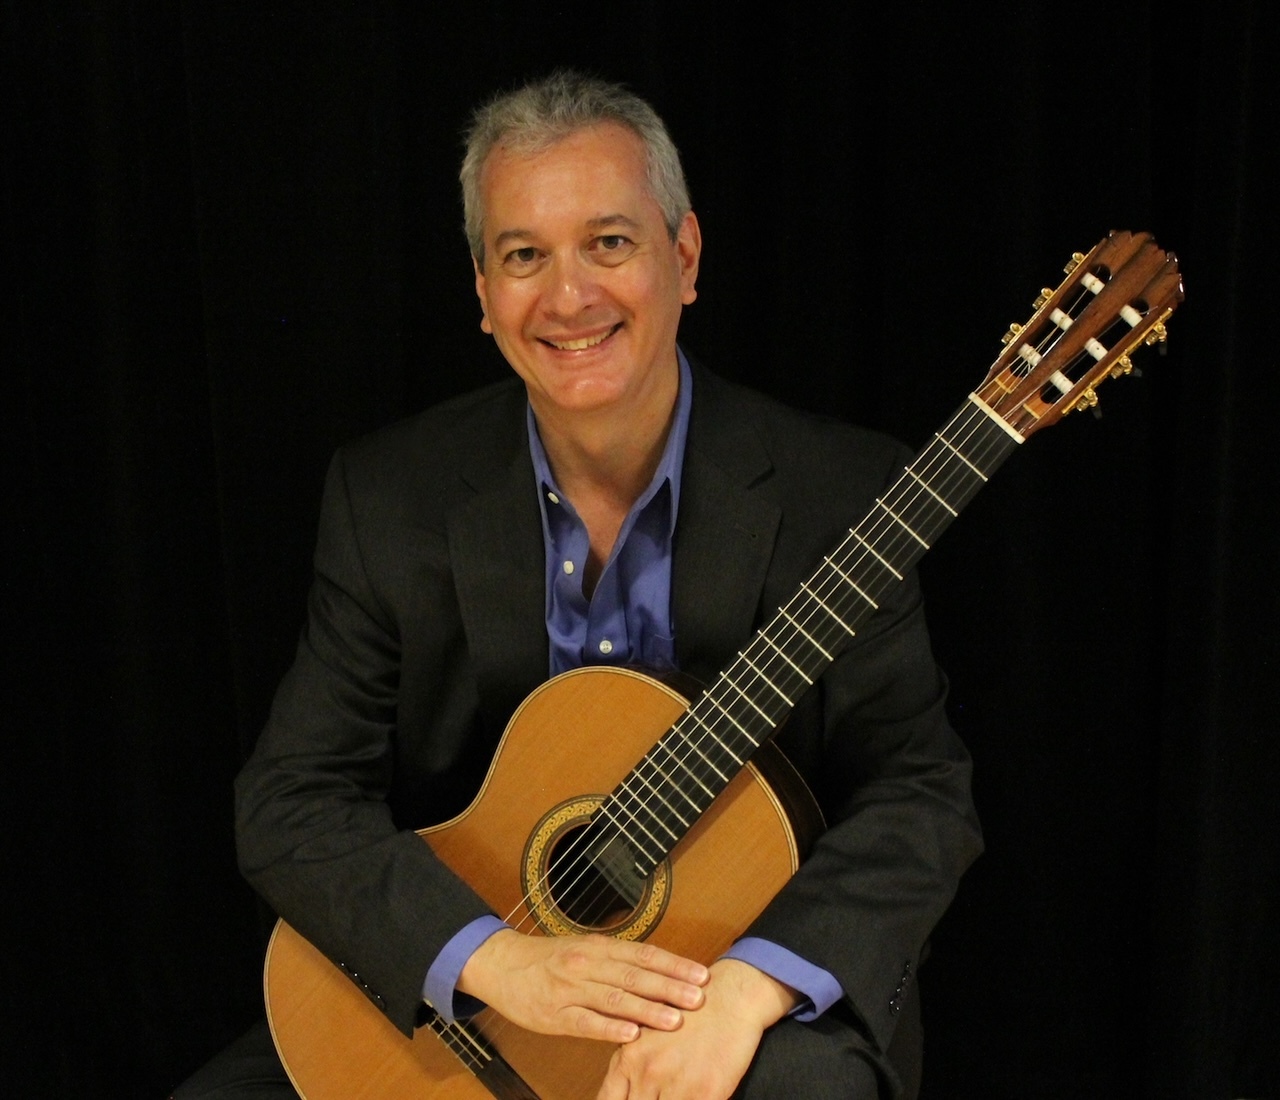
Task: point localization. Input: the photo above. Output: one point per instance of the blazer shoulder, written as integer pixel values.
(801, 445)
(456, 432)
(416, 471)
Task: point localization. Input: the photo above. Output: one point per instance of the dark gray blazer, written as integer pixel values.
(426, 629)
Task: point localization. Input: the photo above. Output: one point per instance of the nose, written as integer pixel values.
(572, 286)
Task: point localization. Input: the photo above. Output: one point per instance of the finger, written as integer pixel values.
(656, 988)
(620, 1004)
(611, 968)
(606, 1029)
(650, 957)
(614, 1086)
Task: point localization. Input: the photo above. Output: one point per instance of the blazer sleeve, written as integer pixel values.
(315, 832)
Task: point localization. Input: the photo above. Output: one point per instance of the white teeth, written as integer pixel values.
(580, 345)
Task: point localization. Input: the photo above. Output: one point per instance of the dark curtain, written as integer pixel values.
(231, 236)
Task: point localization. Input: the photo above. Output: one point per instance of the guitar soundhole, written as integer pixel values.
(578, 878)
(580, 889)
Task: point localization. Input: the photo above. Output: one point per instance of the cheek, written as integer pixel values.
(506, 311)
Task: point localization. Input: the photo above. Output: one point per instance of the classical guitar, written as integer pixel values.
(696, 794)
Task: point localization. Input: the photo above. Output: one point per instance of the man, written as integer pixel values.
(615, 505)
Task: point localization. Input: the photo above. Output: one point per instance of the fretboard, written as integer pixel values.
(662, 797)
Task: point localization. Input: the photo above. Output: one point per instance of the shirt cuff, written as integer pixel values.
(440, 988)
(818, 986)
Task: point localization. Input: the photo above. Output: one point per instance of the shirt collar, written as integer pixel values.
(669, 466)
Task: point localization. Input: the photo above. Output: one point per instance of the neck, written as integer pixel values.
(611, 453)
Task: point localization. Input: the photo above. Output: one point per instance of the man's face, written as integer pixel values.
(582, 287)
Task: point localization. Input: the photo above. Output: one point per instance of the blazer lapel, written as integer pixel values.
(495, 545)
(725, 531)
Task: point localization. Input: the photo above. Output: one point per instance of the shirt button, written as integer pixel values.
(553, 498)
(568, 567)
(606, 647)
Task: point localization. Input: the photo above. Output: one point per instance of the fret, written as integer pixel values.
(754, 706)
(959, 454)
(853, 584)
(812, 641)
(725, 711)
(822, 604)
(929, 489)
(710, 763)
(670, 782)
(902, 523)
(617, 802)
(459, 1039)
(782, 653)
(665, 746)
(781, 694)
(658, 794)
(874, 553)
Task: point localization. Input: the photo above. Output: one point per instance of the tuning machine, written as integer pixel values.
(1087, 400)
(1123, 365)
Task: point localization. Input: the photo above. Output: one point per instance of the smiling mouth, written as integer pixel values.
(584, 343)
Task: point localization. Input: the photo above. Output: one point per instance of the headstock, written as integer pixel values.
(1113, 300)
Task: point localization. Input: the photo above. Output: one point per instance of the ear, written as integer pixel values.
(688, 245)
(482, 294)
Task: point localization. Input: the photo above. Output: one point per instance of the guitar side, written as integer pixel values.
(577, 735)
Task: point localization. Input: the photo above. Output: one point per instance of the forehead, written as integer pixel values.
(592, 173)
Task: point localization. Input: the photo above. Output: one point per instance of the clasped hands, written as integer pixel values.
(685, 1031)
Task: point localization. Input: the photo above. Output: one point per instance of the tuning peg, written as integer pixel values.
(1012, 334)
(1158, 334)
(1045, 294)
(1077, 258)
(1123, 365)
(1087, 400)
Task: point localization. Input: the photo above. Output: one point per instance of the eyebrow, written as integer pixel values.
(509, 235)
(608, 221)
(605, 221)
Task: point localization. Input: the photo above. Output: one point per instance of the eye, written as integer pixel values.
(612, 248)
(521, 261)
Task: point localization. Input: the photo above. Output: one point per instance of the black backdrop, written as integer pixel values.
(232, 240)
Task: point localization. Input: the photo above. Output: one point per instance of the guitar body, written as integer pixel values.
(570, 743)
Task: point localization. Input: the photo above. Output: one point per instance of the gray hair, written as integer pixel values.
(538, 115)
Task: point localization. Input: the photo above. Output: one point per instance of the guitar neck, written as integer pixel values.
(657, 803)
(1114, 299)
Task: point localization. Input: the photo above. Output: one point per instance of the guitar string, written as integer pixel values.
(809, 622)
(1051, 338)
(889, 548)
(812, 622)
(657, 780)
(875, 541)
